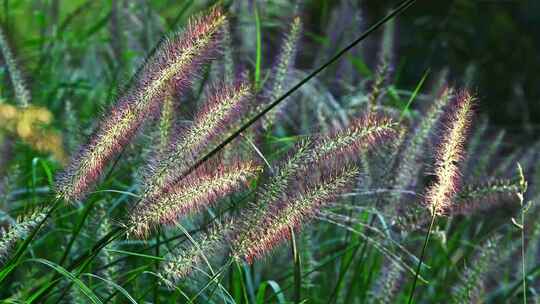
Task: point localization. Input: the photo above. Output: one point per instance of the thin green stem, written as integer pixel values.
(78, 229)
(258, 58)
(156, 265)
(297, 268)
(402, 7)
(523, 256)
(411, 295)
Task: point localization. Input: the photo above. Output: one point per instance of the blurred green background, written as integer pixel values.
(494, 42)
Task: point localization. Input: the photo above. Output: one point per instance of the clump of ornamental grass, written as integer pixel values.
(315, 173)
(172, 67)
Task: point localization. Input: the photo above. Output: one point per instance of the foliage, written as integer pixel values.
(337, 186)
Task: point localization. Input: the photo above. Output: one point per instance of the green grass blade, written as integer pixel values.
(297, 268)
(280, 298)
(413, 96)
(136, 254)
(116, 286)
(258, 57)
(61, 270)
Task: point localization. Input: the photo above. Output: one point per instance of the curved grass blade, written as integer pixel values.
(116, 286)
(61, 270)
(275, 288)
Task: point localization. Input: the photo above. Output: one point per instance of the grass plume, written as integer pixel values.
(283, 65)
(471, 283)
(198, 190)
(219, 115)
(183, 261)
(292, 211)
(22, 94)
(314, 175)
(19, 230)
(449, 155)
(171, 67)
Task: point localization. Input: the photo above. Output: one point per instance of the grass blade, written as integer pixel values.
(61, 270)
(116, 286)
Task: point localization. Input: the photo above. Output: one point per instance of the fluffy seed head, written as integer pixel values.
(284, 174)
(292, 211)
(449, 154)
(22, 94)
(166, 120)
(221, 113)
(409, 164)
(483, 197)
(19, 230)
(472, 280)
(199, 189)
(284, 63)
(182, 262)
(344, 145)
(172, 66)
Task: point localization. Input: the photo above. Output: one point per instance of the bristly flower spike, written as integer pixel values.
(199, 189)
(316, 173)
(285, 62)
(22, 94)
(181, 262)
(411, 158)
(172, 66)
(19, 230)
(449, 155)
(166, 122)
(344, 145)
(485, 196)
(292, 211)
(220, 114)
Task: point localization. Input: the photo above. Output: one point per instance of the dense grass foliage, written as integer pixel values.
(201, 152)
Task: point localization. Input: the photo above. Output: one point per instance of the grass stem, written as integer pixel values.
(297, 268)
(411, 295)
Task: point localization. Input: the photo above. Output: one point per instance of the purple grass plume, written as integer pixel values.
(439, 196)
(316, 174)
(172, 67)
(198, 190)
(292, 211)
(220, 115)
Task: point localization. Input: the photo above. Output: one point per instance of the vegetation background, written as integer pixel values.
(75, 55)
